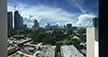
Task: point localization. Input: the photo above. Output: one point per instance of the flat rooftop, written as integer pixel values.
(46, 51)
(70, 51)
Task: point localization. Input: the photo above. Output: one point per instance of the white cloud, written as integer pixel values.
(85, 19)
(59, 24)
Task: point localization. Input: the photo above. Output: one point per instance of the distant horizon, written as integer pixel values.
(77, 12)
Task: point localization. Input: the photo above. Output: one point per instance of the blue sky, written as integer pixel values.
(78, 12)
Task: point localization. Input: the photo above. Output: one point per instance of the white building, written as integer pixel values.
(92, 42)
(70, 51)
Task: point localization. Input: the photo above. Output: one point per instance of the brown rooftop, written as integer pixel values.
(47, 45)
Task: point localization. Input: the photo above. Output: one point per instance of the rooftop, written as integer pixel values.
(70, 51)
(46, 51)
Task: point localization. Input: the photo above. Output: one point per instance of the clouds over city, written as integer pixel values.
(53, 15)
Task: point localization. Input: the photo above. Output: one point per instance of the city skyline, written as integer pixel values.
(79, 13)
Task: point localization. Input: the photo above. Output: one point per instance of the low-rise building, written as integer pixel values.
(70, 51)
(46, 51)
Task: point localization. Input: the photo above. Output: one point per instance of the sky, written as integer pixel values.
(77, 12)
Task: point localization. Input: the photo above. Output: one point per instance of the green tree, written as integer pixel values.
(82, 37)
(58, 44)
(68, 43)
(76, 43)
(41, 35)
(49, 39)
(81, 31)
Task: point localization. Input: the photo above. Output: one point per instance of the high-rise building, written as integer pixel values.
(92, 39)
(54, 26)
(18, 21)
(48, 26)
(64, 26)
(69, 26)
(21, 23)
(95, 22)
(10, 21)
(36, 24)
(24, 26)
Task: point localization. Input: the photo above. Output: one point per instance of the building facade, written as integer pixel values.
(18, 21)
(74, 27)
(92, 42)
(69, 26)
(48, 26)
(10, 21)
(24, 26)
(95, 22)
(36, 24)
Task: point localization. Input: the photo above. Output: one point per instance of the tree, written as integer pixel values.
(41, 35)
(58, 34)
(81, 46)
(58, 44)
(76, 43)
(68, 43)
(70, 31)
(82, 31)
(34, 36)
(49, 39)
(82, 37)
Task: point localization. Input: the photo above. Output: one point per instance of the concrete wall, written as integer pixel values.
(96, 34)
(3, 28)
(96, 49)
(90, 41)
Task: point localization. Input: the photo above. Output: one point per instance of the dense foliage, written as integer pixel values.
(82, 31)
(58, 37)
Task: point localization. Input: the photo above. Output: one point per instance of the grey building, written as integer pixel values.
(24, 26)
(55, 26)
(21, 23)
(95, 22)
(48, 26)
(10, 21)
(69, 26)
(74, 27)
(64, 26)
(36, 24)
(18, 21)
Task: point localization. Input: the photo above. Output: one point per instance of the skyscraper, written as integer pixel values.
(95, 22)
(10, 21)
(18, 21)
(21, 23)
(24, 26)
(48, 26)
(69, 26)
(36, 24)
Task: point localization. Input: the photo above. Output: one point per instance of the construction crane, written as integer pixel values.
(15, 6)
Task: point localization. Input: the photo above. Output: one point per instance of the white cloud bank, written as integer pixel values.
(45, 14)
(85, 20)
